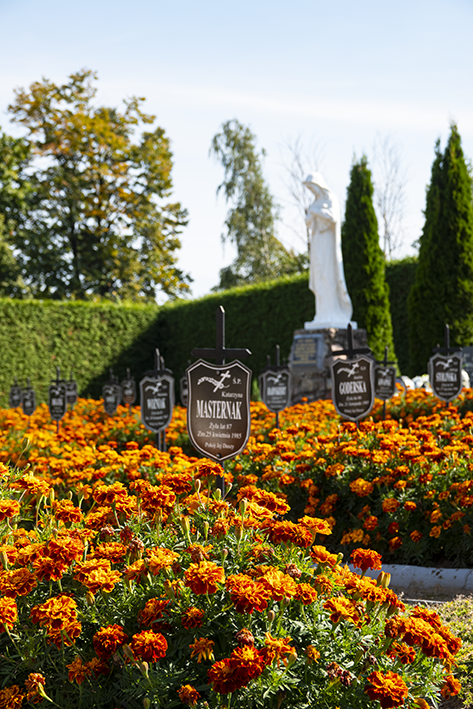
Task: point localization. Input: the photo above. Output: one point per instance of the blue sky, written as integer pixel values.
(337, 74)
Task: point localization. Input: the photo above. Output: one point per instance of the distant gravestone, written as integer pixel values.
(128, 386)
(184, 390)
(157, 399)
(112, 395)
(445, 370)
(275, 383)
(28, 400)
(384, 382)
(14, 397)
(71, 391)
(353, 381)
(57, 400)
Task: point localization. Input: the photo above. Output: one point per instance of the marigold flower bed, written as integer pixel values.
(128, 582)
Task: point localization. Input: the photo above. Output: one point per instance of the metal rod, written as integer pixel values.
(277, 356)
(57, 427)
(277, 419)
(384, 411)
(220, 337)
(164, 445)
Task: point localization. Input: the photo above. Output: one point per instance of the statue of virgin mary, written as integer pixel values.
(326, 276)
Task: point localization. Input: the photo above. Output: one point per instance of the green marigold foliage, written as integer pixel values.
(443, 289)
(364, 262)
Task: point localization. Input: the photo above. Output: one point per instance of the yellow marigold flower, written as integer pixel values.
(277, 649)
(435, 531)
(203, 649)
(11, 697)
(34, 684)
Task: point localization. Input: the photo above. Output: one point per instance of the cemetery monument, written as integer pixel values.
(313, 347)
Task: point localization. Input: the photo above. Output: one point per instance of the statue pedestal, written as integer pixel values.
(311, 355)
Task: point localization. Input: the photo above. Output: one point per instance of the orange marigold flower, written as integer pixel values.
(47, 569)
(247, 595)
(245, 637)
(406, 654)
(107, 640)
(18, 582)
(393, 528)
(410, 506)
(65, 511)
(361, 487)
(203, 649)
(160, 558)
(204, 577)
(306, 593)
(370, 523)
(98, 666)
(249, 663)
(78, 671)
(280, 585)
(390, 504)
(110, 494)
(435, 531)
(342, 607)
(149, 646)
(365, 559)
(316, 525)
(321, 555)
(451, 686)
(9, 509)
(188, 695)
(276, 649)
(416, 536)
(152, 611)
(289, 532)
(137, 571)
(33, 682)
(223, 676)
(395, 543)
(312, 654)
(388, 688)
(11, 697)
(8, 614)
(192, 618)
(323, 584)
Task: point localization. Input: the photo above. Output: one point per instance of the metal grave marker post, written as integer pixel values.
(14, 397)
(218, 411)
(353, 382)
(157, 400)
(28, 399)
(129, 390)
(445, 370)
(183, 388)
(275, 386)
(57, 400)
(384, 380)
(112, 395)
(71, 391)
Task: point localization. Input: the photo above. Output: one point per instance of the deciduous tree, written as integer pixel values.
(102, 222)
(251, 221)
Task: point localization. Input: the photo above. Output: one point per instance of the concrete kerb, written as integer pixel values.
(425, 582)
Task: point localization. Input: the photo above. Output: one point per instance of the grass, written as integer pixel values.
(458, 614)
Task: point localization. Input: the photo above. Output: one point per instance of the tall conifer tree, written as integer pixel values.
(364, 262)
(443, 289)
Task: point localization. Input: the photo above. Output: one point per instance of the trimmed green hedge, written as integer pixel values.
(89, 338)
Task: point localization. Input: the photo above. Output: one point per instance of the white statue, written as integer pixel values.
(327, 279)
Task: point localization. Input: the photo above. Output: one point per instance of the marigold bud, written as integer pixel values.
(146, 703)
(217, 495)
(271, 616)
(243, 505)
(197, 485)
(90, 598)
(128, 652)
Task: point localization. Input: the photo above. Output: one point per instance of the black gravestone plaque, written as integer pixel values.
(308, 351)
(218, 412)
(384, 382)
(275, 388)
(57, 400)
(129, 391)
(353, 387)
(28, 401)
(112, 395)
(184, 391)
(445, 374)
(71, 392)
(157, 401)
(14, 397)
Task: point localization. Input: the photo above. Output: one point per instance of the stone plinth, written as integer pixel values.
(311, 355)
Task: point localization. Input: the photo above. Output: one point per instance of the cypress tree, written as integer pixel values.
(443, 289)
(364, 262)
